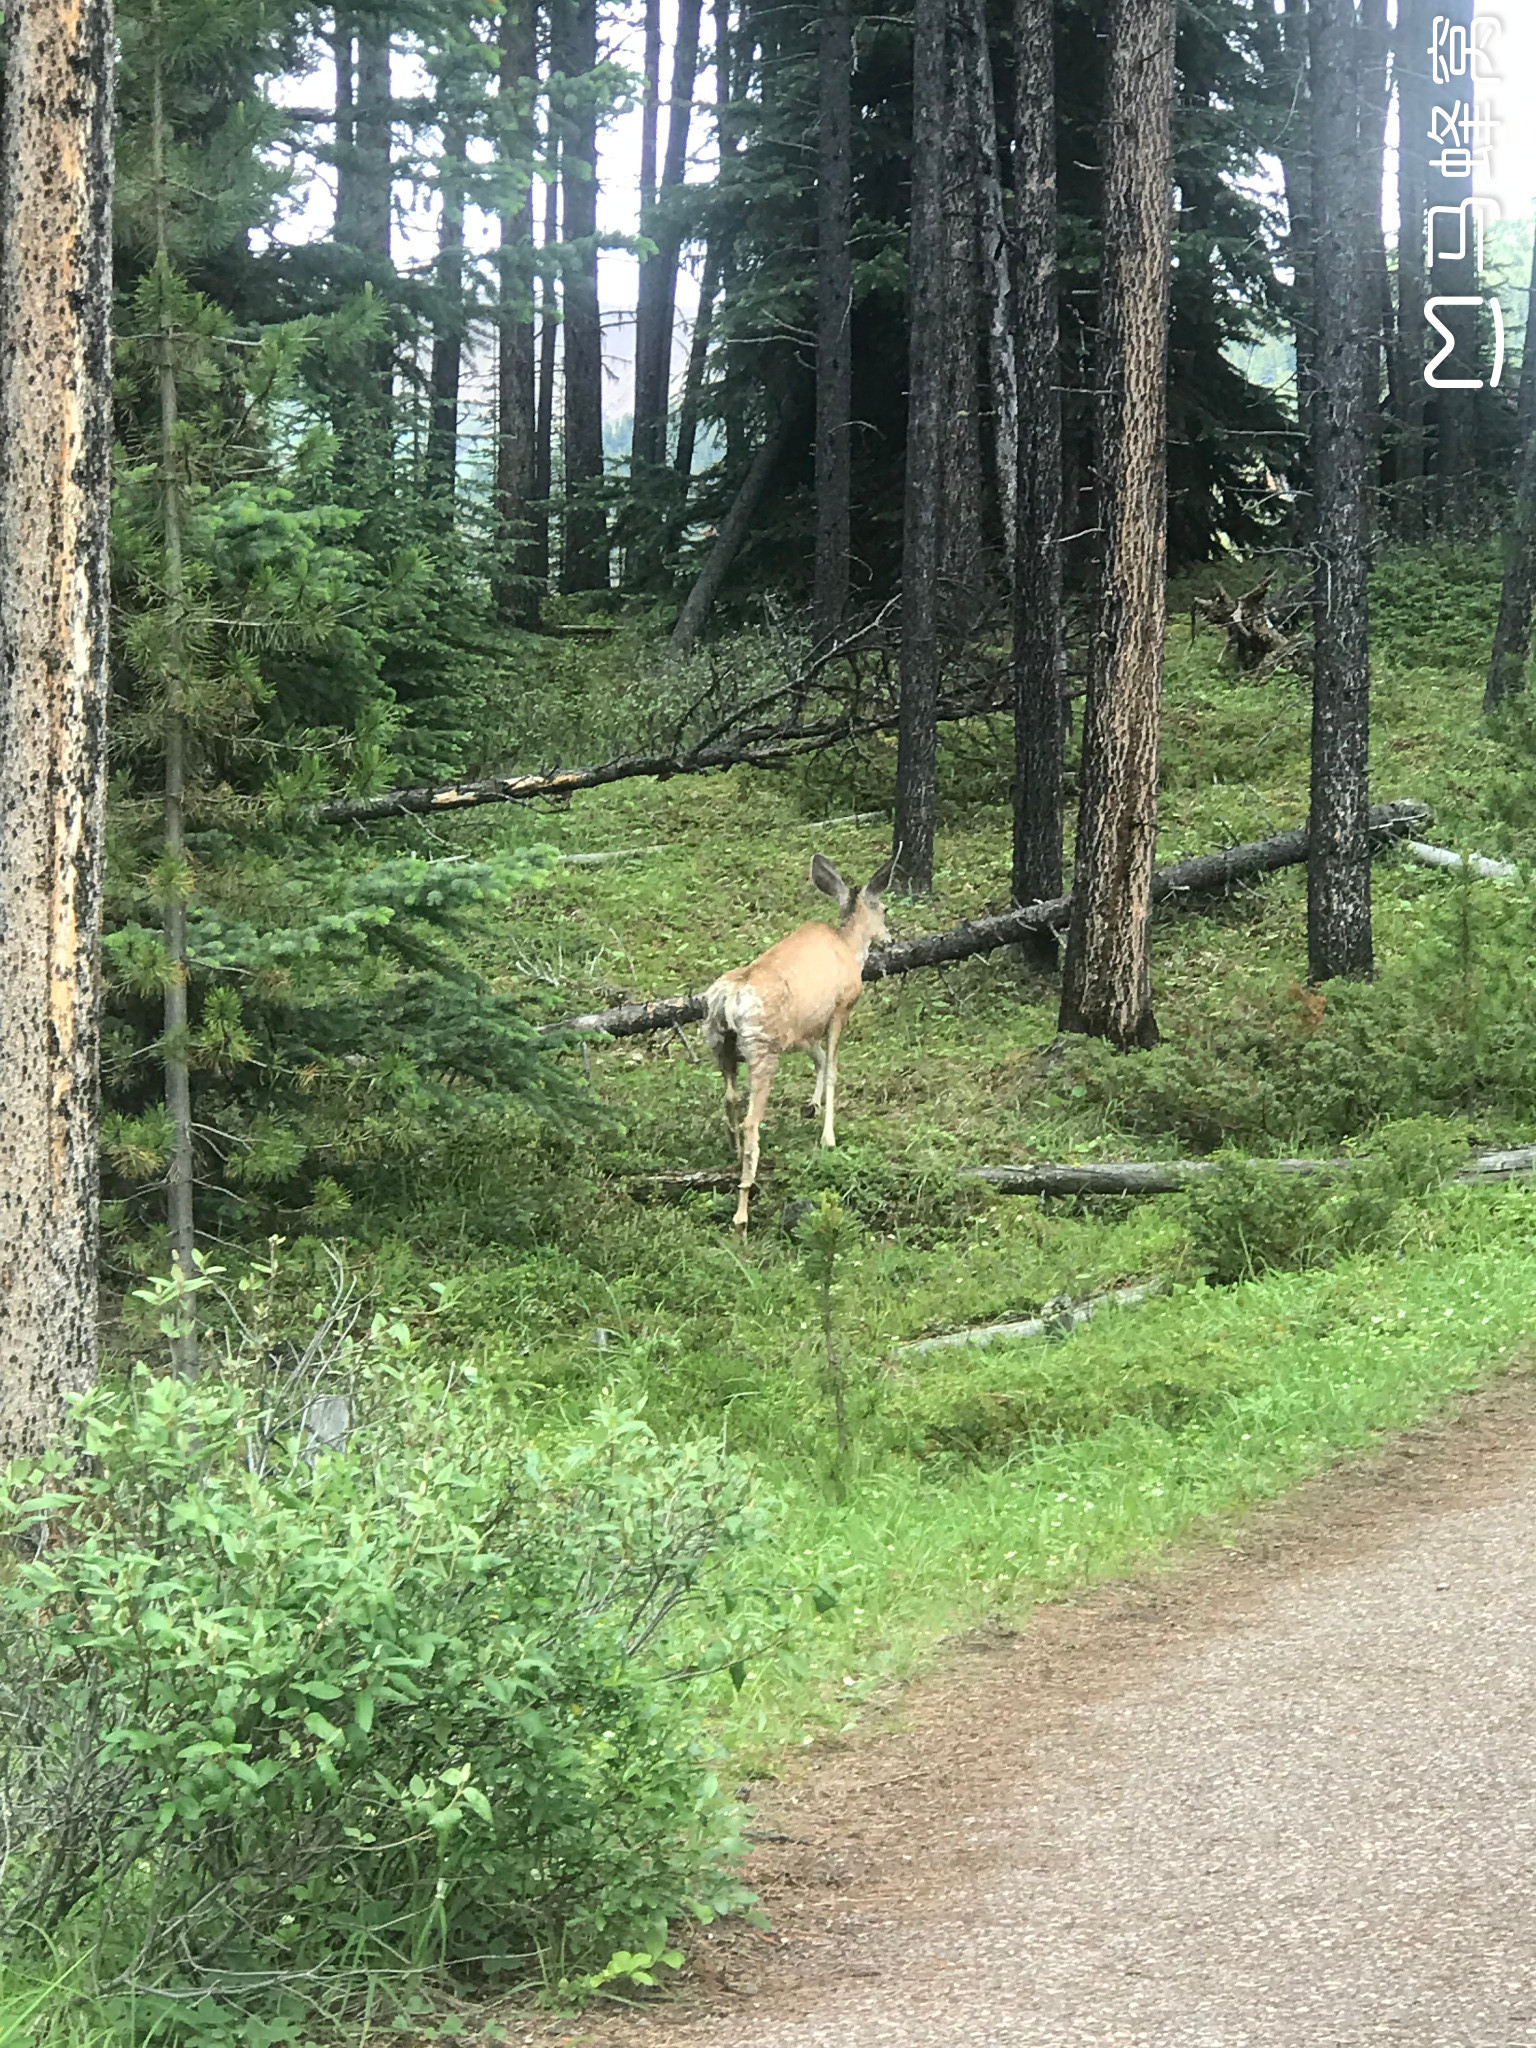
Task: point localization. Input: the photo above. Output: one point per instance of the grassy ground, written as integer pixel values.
(555, 1280)
(979, 1481)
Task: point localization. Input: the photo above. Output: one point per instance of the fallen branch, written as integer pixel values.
(1478, 863)
(1058, 1319)
(768, 747)
(1206, 874)
(1168, 1176)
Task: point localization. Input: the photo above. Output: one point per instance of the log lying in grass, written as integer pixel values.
(1056, 1321)
(1206, 874)
(1168, 1176)
(757, 747)
(1446, 857)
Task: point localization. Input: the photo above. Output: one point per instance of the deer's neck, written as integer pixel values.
(859, 934)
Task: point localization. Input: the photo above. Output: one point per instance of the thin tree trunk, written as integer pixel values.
(1296, 166)
(1455, 443)
(834, 316)
(1107, 981)
(549, 329)
(515, 592)
(1411, 62)
(996, 277)
(737, 525)
(1039, 706)
(654, 312)
(374, 119)
(448, 338)
(1517, 601)
(585, 524)
(55, 480)
(1339, 861)
(178, 1074)
(698, 357)
(917, 735)
(343, 51)
(650, 108)
(961, 538)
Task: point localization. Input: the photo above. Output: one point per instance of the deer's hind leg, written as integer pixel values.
(828, 1072)
(761, 1066)
(819, 1055)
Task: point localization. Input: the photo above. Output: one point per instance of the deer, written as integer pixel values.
(797, 995)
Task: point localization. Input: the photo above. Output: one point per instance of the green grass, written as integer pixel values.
(983, 1481)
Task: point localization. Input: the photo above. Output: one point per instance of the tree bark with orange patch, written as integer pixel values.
(55, 482)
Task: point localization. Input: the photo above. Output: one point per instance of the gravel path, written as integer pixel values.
(1283, 1794)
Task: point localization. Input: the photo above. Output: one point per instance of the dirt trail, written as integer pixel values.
(1283, 1792)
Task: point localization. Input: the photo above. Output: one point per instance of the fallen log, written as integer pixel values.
(1205, 874)
(1169, 1176)
(768, 748)
(1477, 863)
(1058, 1320)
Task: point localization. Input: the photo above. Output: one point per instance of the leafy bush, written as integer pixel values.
(287, 1714)
(1252, 1218)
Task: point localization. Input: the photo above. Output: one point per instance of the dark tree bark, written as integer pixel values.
(734, 530)
(374, 172)
(1339, 863)
(1039, 705)
(55, 502)
(1411, 63)
(585, 524)
(834, 316)
(927, 271)
(1205, 875)
(1517, 600)
(514, 589)
(650, 108)
(448, 339)
(1296, 166)
(549, 334)
(656, 306)
(962, 576)
(994, 276)
(1107, 980)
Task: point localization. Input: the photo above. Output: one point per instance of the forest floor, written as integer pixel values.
(1279, 1791)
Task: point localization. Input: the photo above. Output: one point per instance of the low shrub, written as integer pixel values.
(1252, 1218)
(284, 1713)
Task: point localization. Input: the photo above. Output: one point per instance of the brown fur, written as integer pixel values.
(797, 995)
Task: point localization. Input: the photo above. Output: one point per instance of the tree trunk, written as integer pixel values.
(1411, 61)
(996, 282)
(738, 524)
(549, 332)
(1375, 104)
(1039, 724)
(374, 118)
(1296, 166)
(1107, 982)
(344, 53)
(514, 590)
(448, 339)
(585, 525)
(1517, 600)
(655, 309)
(1339, 862)
(927, 272)
(698, 358)
(834, 317)
(180, 1179)
(961, 537)
(1450, 276)
(55, 482)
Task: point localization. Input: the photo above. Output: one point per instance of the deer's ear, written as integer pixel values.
(880, 880)
(830, 882)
